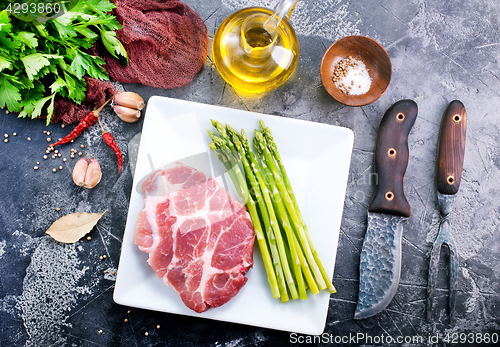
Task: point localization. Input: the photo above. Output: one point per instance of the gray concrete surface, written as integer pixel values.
(440, 51)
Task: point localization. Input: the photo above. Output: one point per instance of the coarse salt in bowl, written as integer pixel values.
(362, 64)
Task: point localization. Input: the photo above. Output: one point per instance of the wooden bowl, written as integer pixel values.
(364, 49)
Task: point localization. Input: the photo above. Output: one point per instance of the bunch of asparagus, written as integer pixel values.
(290, 259)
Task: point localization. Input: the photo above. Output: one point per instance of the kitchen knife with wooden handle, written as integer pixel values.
(380, 260)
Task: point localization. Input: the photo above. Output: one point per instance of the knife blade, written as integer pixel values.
(380, 259)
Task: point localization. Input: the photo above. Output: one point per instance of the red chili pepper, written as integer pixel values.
(108, 138)
(86, 122)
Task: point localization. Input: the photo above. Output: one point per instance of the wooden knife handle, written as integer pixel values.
(451, 148)
(391, 159)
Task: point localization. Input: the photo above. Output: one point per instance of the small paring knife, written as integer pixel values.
(380, 260)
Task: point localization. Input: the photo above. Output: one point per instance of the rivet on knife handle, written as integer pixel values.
(451, 148)
(391, 159)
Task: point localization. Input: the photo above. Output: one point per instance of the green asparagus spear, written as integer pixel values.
(265, 219)
(274, 221)
(291, 210)
(266, 132)
(287, 226)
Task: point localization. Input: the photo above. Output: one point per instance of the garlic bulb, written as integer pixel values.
(128, 106)
(87, 174)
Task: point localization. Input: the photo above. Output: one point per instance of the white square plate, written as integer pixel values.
(317, 158)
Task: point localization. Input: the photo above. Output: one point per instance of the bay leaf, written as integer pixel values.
(73, 226)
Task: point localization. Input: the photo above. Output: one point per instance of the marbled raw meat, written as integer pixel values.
(199, 239)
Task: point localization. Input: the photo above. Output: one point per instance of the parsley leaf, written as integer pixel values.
(27, 38)
(36, 61)
(57, 85)
(4, 62)
(112, 44)
(9, 94)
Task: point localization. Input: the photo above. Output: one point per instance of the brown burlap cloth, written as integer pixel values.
(166, 42)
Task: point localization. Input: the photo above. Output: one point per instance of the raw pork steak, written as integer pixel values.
(199, 239)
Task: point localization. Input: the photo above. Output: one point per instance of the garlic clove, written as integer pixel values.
(130, 100)
(93, 174)
(127, 114)
(79, 171)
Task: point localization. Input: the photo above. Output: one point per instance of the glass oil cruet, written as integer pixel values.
(256, 49)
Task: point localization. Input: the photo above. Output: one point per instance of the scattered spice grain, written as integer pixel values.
(29, 138)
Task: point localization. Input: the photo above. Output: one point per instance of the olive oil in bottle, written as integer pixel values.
(252, 52)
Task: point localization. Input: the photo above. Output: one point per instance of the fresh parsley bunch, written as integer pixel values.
(39, 60)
